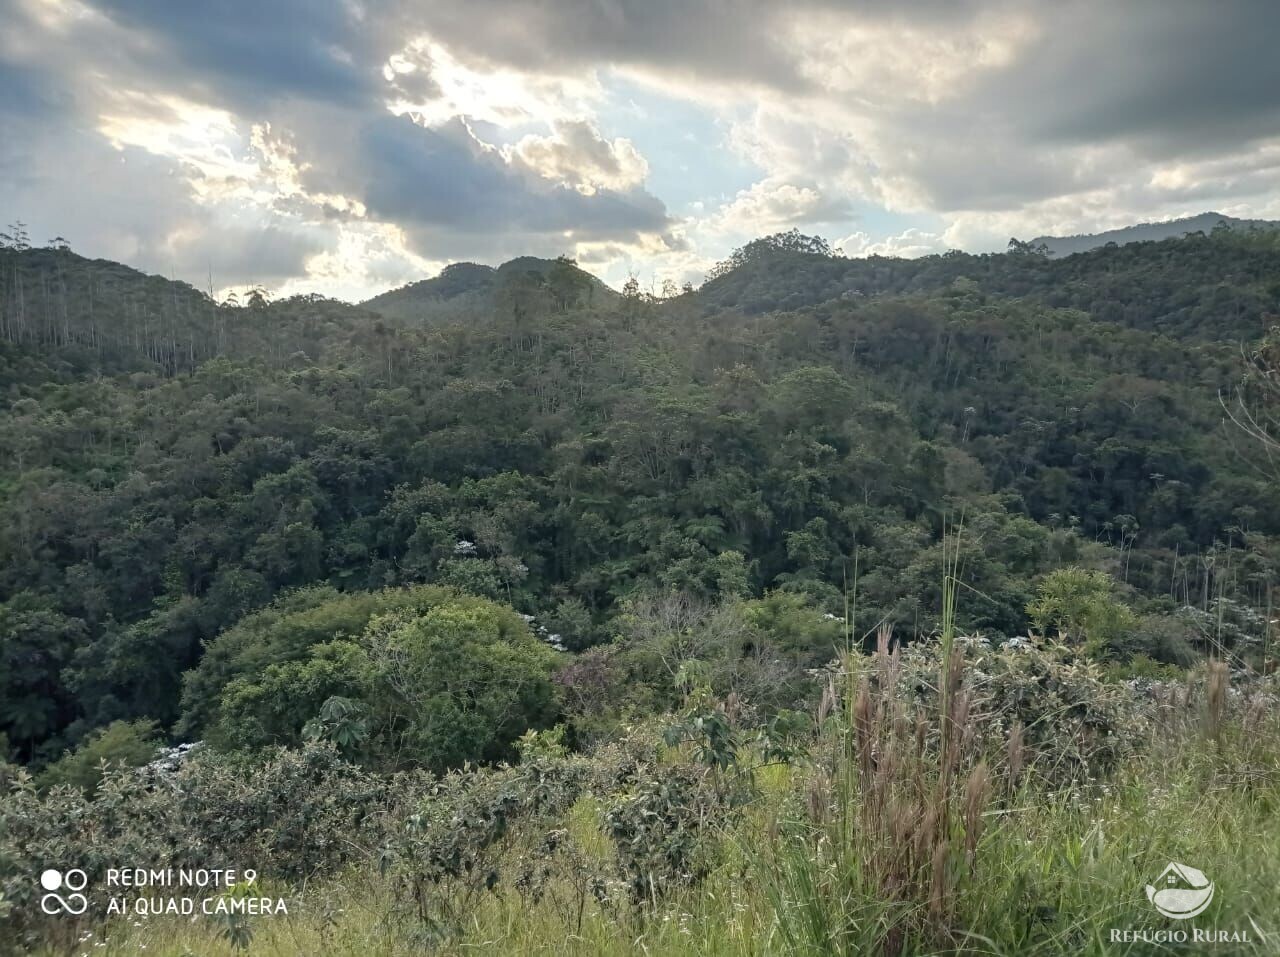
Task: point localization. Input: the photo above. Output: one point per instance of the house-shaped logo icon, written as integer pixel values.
(1181, 892)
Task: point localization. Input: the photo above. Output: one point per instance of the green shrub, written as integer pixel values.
(283, 632)
(1074, 722)
(439, 678)
(453, 846)
(460, 682)
(665, 830)
(128, 744)
(1080, 606)
(290, 814)
(273, 706)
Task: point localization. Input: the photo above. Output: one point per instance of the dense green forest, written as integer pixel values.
(171, 465)
(510, 513)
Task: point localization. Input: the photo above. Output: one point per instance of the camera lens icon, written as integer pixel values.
(74, 881)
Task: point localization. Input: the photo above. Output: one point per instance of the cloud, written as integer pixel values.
(28, 94)
(141, 211)
(731, 41)
(909, 244)
(430, 82)
(247, 52)
(771, 205)
(993, 114)
(272, 130)
(577, 155)
(413, 133)
(447, 177)
(268, 255)
(1164, 75)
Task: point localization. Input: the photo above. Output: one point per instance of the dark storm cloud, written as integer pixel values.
(251, 52)
(444, 177)
(1172, 75)
(28, 93)
(1153, 81)
(734, 41)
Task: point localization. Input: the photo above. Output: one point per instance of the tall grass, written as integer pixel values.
(908, 831)
(894, 850)
(894, 820)
(917, 838)
(1019, 868)
(879, 863)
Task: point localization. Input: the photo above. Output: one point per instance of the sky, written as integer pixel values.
(349, 147)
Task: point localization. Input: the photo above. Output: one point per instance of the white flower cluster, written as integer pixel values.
(170, 759)
(551, 638)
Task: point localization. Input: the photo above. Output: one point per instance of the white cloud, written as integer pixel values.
(877, 62)
(430, 82)
(908, 244)
(996, 117)
(576, 155)
(970, 117)
(770, 205)
(364, 256)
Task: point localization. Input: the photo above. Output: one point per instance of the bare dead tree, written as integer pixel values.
(1253, 406)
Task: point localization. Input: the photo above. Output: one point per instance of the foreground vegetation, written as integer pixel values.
(511, 614)
(913, 812)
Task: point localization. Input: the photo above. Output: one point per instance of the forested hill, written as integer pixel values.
(1219, 287)
(1148, 232)
(799, 424)
(466, 288)
(94, 315)
(102, 315)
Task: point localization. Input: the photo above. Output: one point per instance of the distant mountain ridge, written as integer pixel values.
(1148, 232)
(1214, 285)
(465, 285)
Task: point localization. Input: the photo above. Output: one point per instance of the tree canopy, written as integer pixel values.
(204, 505)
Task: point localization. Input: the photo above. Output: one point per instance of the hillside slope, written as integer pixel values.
(1199, 288)
(1149, 232)
(465, 288)
(566, 456)
(97, 315)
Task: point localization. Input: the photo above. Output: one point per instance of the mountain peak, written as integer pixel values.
(1148, 232)
(465, 284)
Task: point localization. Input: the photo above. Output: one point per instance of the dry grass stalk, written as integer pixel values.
(826, 705)
(976, 790)
(1015, 754)
(912, 781)
(1216, 698)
